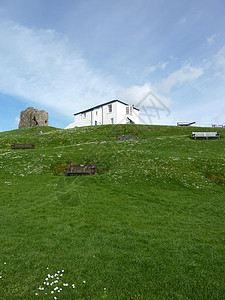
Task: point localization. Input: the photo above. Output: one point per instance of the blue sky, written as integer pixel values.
(66, 56)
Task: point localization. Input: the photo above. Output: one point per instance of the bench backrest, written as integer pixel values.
(126, 137)
(21, 146)
(82, 168)
(205, 134)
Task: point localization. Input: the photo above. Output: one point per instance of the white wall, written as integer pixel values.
(79, 119)
(122, 114)
(97, 116)
(109, 117)
(135, 116)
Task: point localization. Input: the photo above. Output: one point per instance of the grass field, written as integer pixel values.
(148, 225)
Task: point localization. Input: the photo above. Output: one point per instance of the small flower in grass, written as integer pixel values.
(73, 286)
(84, 282)
(0, 277)
(36, 294)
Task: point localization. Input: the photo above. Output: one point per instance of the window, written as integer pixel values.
(109, 108)
(96, 113)
(129, 110)
(84, 115)
(112, 121)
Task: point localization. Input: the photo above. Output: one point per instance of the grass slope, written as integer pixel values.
(148, 225)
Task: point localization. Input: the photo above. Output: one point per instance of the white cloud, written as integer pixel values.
(154, 108)
(182, 21)
(186, 74)
(210, 40)
(135, 94)
(43, 67)
(160, 65)
(16, 121)
(219, 63)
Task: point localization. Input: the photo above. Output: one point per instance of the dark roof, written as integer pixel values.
(106, 103)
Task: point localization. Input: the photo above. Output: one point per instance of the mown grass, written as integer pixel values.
(148, 225)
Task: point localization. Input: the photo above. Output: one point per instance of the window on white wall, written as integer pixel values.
(96, 112)
(84, 115)
(129, 110)
(112, 121)
(109, 108)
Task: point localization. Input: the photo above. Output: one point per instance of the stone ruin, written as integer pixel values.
(32, 117)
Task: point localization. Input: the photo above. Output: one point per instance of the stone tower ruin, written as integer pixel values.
(32, 117)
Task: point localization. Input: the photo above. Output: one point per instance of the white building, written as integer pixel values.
(112, 112)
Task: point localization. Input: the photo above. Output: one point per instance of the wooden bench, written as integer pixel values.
(80, 169)
(126, 137)
(22, 146)
(205, 135)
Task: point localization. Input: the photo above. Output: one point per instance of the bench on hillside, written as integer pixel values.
(80, 169)
(218, 126)
(205, 135)
(22, 146)
(126, 137)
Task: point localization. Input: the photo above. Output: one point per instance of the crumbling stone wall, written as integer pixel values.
(31, 117)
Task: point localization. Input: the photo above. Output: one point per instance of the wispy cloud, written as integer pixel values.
(182, 20)
(186, 74)
(16, 121)
(154, 108)
(219, 63)
(160, 65)
(211, 39)
(43, 67)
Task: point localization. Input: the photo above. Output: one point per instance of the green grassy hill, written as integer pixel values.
(148, 225)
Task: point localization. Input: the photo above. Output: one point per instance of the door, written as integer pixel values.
(96, 123)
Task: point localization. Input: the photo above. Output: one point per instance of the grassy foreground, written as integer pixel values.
(148, 225)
